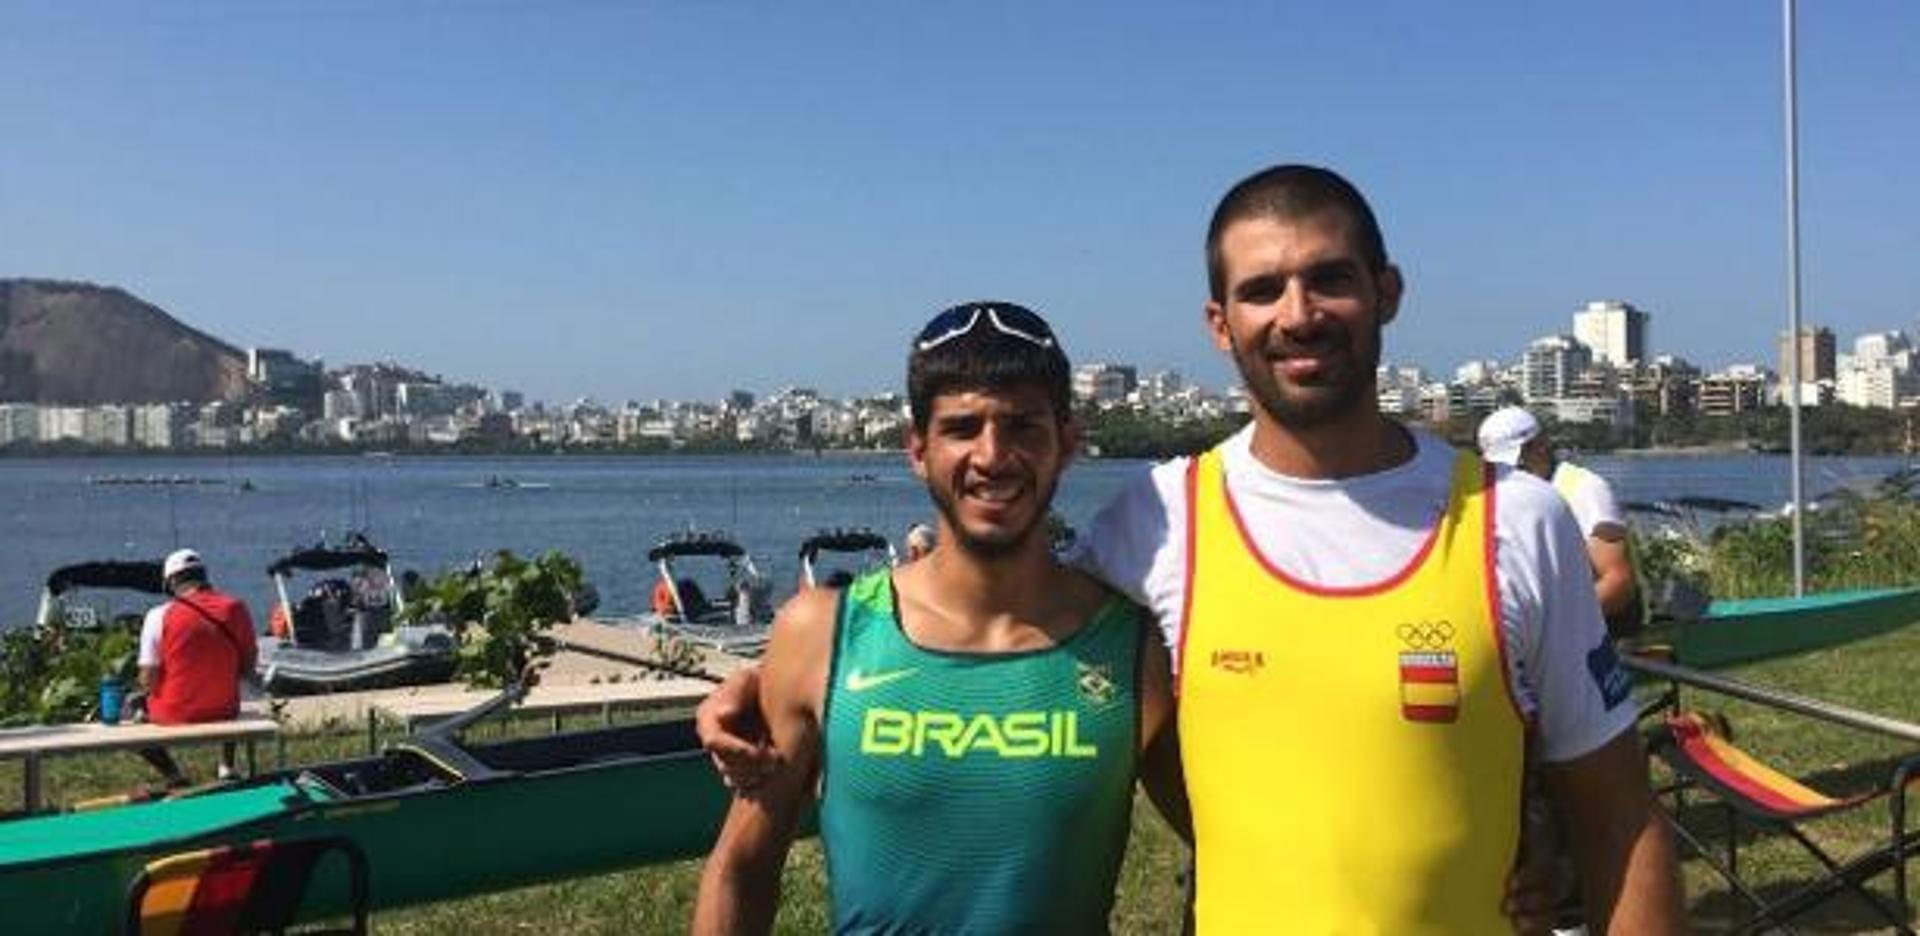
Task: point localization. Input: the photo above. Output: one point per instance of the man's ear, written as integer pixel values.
(917, 451)
(1392, 286)
(1072, 436)
(1216, 314)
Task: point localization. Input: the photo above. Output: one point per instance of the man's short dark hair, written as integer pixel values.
(1291, 192)
(195, 574)
(985, 358)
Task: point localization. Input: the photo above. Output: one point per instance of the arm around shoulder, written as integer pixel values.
(740, 885)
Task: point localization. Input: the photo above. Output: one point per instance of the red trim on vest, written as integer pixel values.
(1186, 598)
(1493, 590)
(1330, 591)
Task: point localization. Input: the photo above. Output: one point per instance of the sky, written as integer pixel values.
(671, 199)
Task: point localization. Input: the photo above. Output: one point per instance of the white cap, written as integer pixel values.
(1504, 432)
(920, 535)
(180, 560)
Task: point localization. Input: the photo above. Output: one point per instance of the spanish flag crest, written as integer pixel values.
(1430, 686)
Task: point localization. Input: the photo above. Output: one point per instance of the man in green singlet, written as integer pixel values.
(973, 722)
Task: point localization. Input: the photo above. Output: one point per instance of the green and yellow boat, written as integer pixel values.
(435, 818)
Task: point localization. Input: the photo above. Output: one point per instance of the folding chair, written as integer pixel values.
(1703, 757)
(251, 888)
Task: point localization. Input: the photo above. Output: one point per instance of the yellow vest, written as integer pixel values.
(1353, 756)
(1568, 479)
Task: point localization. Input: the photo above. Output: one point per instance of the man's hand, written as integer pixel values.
(734, 733)
(1531, 895)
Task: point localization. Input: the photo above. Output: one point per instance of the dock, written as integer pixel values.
(598, 667)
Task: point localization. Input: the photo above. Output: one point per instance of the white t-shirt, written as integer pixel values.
(1362, 530)
(150, 628)
(1590, 496)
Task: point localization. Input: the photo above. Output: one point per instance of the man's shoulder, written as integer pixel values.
(807, 616)
(1524, 496)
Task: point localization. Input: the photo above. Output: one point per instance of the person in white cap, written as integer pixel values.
(920, 540)
(1513, 436)
(194, 651)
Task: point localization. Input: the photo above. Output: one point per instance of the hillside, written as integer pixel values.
(77, 343)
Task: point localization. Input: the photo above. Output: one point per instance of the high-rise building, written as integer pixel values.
(19, 424)
(1615, 331)
(159, 425)
(1552, 365)
(1737, 389)
(1104, 383)
(1816, 355)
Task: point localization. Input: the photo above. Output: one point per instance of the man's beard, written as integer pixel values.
(1333, 398)
(993, 547)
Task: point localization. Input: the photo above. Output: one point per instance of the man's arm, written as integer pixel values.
(248, 642)
(1613, 580)
(1625, 852)
(149, 652)
(1160, 774)
(740, 886)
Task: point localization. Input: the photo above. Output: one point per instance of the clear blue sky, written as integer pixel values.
(672, 198)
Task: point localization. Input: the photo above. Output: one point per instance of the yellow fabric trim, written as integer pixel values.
(174, 879)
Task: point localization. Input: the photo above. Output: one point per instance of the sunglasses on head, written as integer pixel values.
(1004, 318)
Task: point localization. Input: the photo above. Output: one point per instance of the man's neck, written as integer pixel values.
(983, 589)
(1365, 444)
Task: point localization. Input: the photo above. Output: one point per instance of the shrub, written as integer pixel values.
(501, 613)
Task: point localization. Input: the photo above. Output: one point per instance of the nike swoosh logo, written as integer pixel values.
(856, 682)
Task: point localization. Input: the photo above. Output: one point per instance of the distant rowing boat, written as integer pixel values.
(500, 483)
(153, 479)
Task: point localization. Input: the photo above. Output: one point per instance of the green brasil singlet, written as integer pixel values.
(971, 792)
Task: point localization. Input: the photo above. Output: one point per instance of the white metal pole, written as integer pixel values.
(1793, 304)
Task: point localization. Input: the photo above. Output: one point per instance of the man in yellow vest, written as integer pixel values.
(1371, 630)
(1512, 436)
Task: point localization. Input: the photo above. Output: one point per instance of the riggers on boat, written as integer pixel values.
(436, 819)
(340, 636)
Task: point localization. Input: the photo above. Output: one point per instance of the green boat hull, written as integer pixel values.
(1748, 631)
(565, 806)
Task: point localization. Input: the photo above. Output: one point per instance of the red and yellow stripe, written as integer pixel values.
(1738, 771)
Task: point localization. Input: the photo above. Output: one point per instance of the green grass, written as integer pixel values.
(1872, 675)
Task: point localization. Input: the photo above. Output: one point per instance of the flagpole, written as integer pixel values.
(1793, 302)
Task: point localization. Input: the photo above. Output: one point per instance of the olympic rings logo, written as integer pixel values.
(1427, 635)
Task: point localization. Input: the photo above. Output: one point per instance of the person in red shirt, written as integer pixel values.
(194, 651)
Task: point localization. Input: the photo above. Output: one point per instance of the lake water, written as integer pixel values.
(433, 512)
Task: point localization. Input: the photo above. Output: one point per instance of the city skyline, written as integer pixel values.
(582, 199)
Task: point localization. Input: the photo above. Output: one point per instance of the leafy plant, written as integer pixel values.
(501, 612)
(52, 674)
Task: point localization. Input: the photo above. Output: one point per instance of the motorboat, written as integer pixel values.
(734, 618)
(74, 597)
(341, 635)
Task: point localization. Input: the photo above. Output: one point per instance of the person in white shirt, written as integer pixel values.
(1513, 436)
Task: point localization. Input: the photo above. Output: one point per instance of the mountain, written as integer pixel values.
(79, 344)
